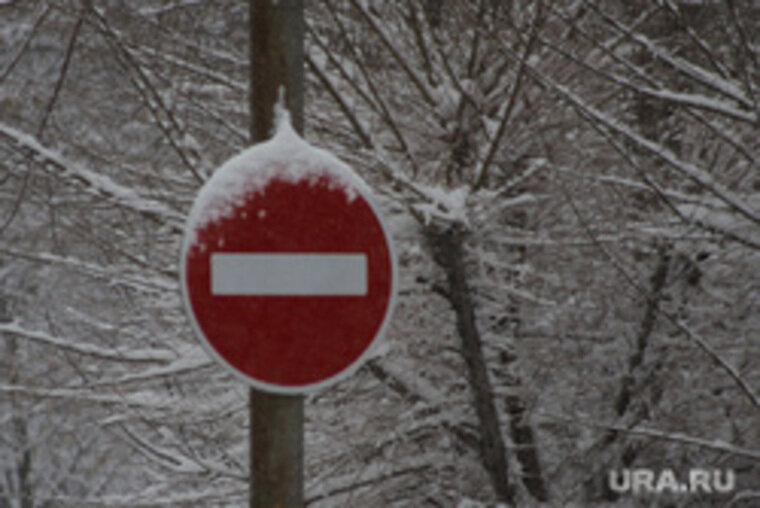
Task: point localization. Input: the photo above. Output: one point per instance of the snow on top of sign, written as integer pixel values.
(285, 157)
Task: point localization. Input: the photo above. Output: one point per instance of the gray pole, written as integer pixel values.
(276, 33)
(276, 421)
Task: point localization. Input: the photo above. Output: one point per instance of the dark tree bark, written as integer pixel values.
(521, 432)
(631, 383)
(448, 253)
(628, 385)
(526, 448)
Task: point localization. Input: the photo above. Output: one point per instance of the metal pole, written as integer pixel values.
(276, 450)
(276, 34)
(276, 421)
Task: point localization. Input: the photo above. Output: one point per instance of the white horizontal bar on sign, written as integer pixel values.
(288, 274)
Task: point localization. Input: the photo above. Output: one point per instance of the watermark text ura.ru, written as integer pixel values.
(648, 481)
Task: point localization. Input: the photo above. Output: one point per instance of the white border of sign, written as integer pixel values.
(360, 187)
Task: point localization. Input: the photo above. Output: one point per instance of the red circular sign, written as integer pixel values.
(289, 279)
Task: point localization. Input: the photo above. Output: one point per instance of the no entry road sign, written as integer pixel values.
(287, 271)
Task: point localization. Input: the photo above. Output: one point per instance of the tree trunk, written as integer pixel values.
(597, 486)
(448, 254)
(628, 385)
(520, 430)
(526, 449)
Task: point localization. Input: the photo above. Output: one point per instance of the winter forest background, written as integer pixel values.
(574, 192)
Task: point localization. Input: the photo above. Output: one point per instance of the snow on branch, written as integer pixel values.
(97, 184)
(505, 112)
(221, 78)
(208, 494)
(449, 206)
(348, 111)
(368, 92)
(678, 437)
(701, 343)
(706, 78)
(188, 363)
(701, 102)
(371, 475)
(163, 456)
(387, 39)
(175, 132)
(140, 401)
(688, 169)
(732, 371)
(166, 280)
(121, 355)
(414, 387)
(163, 9)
